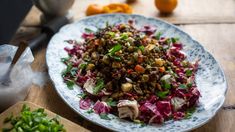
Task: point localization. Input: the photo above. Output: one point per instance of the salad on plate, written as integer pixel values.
(136, 74)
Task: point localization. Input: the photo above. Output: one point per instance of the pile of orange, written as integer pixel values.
(111, 8)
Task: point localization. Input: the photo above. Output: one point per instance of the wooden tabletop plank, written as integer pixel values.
(187, 11)
(218, 39)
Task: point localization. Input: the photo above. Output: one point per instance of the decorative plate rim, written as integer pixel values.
(148, 18)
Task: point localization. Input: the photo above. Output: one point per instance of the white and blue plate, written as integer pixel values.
(210, 78)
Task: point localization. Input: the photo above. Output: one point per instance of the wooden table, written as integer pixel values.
(211, 22)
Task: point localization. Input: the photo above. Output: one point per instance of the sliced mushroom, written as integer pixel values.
(177, 103)
(166, 78)
(89, 85)
(127, 108)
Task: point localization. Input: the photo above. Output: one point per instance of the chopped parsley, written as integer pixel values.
(70, 84)
(189, 73)
(104, 116)
(82, 95)
(162, 94)
(88, 30)
(158, 35)
(99, 86)
(83, 66)
(90, 111)
(112, 34)
(115, 49)
(183, 86)
(32, 121)
(174, 40)
(111, 103)
(141, 48)
(189, 112)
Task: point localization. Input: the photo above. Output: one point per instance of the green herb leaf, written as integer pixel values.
(88, 30)
(141, 48)
(162, 94)
(82, 95)
(189, 73)
(104, 116)
(166, 85)
(99, 86)
(168, 41)
(67, 70)
(73, 71)
(111, 103)
(158, 35)
(90, 111)
(189, 112)
(112, 34)
(107, 23)
(64, 60)
(83, 66)
(183, 86)
(70, 84)
(189, 85)
(115, 49)
(124, 36)
(117, 58)
(174, 40)
(35, 120)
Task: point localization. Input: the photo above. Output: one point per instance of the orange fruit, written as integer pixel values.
(166, 6)
(94, 9)
(117, 8)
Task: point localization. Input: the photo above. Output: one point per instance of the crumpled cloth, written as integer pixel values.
(21, 75)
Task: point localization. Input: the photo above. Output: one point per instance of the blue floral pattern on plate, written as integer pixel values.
(210, 78)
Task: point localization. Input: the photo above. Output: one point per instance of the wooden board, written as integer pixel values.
(187, 11)
(15, 110)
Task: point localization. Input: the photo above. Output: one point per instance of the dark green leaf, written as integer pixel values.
(117, 58)
(111, 103)
(189, 112)
(162, 94)
(183, 86)
(124, 36)
(189, 72)
(70, 84)
(104, 116)
(141, 48)
(81, 95)
(87, 30)
(64, 60)
(174, 40)
(158, 35)
(189, 85)
(99, 86)
(73, 71)
(168, 41)
(90, 111)
(25, 108)
(83, 66)
(115, 49)
(166, 85)
(67, 70)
